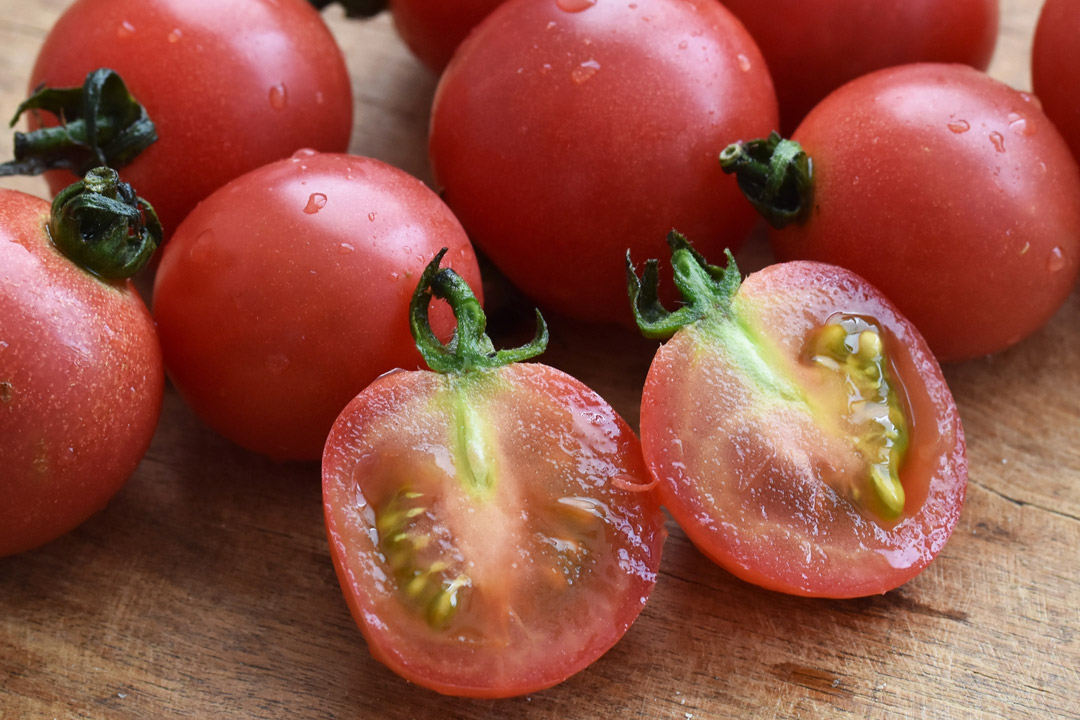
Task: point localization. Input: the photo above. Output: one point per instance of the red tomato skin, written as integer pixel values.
(230, 84)
(537, 643)
(1055, 67)
(813, 47)
(826, 548)
(950, 192)
(81, 382)
(287, 291)
(561, 139)
(433, 30)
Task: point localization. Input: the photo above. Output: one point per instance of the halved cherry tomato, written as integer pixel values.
(492, 525)
(799, 427)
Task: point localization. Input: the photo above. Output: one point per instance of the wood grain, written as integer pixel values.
(205, 588)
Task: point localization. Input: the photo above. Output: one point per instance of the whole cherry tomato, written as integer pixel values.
(492, 523)
(948, 190)
(1055, 67)
(81, 378)
(799, 428)
(230, 84)
(433, 30)
(565, 131)
(287, 291)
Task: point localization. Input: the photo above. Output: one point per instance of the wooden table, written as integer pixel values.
(205, 589)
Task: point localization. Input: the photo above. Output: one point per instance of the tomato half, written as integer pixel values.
(815, 46)
(803, 435)
(565, 131)
(287, 291)
(493, 528)
(1055, 67)
(230, 84)
(81, 382)
(433, 30)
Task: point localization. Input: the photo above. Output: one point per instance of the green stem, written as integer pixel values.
(356, 8)
(704, 288)
(470, 347)
(101, 124)
(775, 175)
(103, 226)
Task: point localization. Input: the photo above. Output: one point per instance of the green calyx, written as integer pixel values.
(354, 8)
(101, 124)
(704, 288)
(470, 347)
(775, 175)
(101, 225)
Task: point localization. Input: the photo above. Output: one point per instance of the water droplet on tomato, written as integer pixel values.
(371, 216)
(200, 249)
(552, 25)
(959, 126)
(277, 362)
(345, 249)
(175, 36)
(998, 141)
(1019, 124)
(744, 62)
(683, 45)
(303, 154)
(575, 5)
(584, 71)
(125, 30)
(1056, 262)
(279, 97)
(315, 203)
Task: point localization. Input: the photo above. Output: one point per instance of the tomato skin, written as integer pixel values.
(813, 47)
(81, 382)
(527, 623)
(1055, 67)
(230, 84)
(287, 291)
(434, 30)
(561, 139)
(950, 192)
(742, 471)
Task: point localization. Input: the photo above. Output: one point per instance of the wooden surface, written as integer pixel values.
(205, 589)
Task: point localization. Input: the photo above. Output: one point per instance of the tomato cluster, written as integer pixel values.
(495, 525)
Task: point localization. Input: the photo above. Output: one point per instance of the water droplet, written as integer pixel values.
(551, 25)
(315, 203)
(1028, 98)
(371, 216)
(1024, 250)
(175, 35)
(1019, 124)
(584, 71)
(959, 126)
(575, 5)
(744, 62)
(277, 362)
(200, 249)
(279, 97)
(1056, 262)
(998, 141)
(345, 249)
(683, 45)
(125, 30)
(303, 154)
(394, 276)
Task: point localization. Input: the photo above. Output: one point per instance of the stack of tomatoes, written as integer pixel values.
(796, 425)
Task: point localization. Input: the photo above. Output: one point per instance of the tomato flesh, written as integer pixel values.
(757, 459)
(493, 533)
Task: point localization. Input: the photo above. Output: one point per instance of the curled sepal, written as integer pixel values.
(705, 288)
(775, 175)
(470, 347)
(354, 8)
(103, 226)
(101, 123)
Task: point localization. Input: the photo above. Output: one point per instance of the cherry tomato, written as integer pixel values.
(81, 381)
(433, 30)
(950, 192)
(800, 430)
(230, 84)
(565, 131)
(1055, 67)
(286, 292)
(492, 525)
(815, 46)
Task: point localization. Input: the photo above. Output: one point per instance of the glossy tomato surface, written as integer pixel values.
(565, 132)
(81, 382)
(433, 30)
(950, 192)
(814, 46)
(756, 441)
(494, 532)
(287, 291)
(230, 84)
(1055, 67)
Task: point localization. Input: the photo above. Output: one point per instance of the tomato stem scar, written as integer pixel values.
(775, 175)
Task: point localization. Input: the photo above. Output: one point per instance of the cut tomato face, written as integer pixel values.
(802, 433)
(494, 529)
